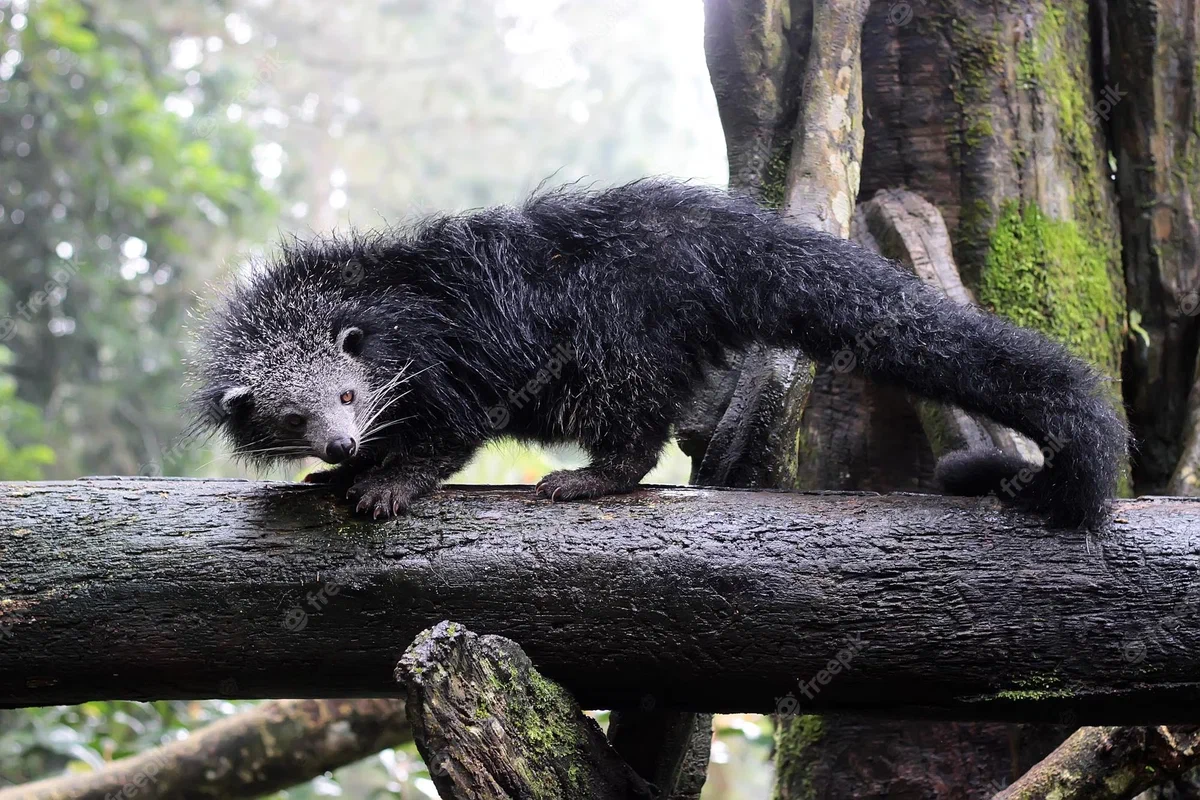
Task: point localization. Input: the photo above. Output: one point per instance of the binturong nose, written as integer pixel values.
(338, 450)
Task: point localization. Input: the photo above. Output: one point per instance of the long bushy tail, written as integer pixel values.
(840, 302)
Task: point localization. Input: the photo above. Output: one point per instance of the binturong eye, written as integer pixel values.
(347, 397)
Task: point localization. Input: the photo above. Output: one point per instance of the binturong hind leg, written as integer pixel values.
(614, 470)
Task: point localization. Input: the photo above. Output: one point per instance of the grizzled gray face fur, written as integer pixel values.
(315, 408)
(282, 400)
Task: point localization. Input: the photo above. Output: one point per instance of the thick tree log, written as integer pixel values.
(1109, 764)
(252, 754)
(490, 727)
(707, 600)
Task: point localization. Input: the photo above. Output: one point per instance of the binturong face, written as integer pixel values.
(282, 401)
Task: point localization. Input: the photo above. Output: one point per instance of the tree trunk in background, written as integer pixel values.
(853, 757)
(742, 427)
(1154, 76)
(988, 112)
(993, 115)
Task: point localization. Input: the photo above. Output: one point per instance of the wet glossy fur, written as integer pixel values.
(588, 317)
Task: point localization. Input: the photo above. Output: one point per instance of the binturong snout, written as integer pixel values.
(340, 449)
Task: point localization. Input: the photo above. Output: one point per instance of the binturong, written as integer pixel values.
(589, 317)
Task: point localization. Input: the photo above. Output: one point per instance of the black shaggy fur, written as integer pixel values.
(588, 316)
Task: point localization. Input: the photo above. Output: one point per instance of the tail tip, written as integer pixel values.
(974, 473)
(1016, 482)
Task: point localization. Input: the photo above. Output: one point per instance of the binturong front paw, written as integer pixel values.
(339, 478)
(386, 495)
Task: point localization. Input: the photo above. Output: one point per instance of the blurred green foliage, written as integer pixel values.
(112, 207)
(23, 456)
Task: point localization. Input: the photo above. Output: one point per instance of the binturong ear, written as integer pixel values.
(350, 340)
(214, 407)
(233, 398)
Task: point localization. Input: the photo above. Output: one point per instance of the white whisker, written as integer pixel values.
(391, 401)
(373, 435)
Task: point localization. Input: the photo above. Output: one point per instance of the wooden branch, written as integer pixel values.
(491, 727)
(709, 600)
(1109, 764)
(255, 753)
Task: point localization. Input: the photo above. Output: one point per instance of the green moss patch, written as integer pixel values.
(1048, 275)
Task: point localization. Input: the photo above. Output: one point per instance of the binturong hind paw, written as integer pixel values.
(386, 495)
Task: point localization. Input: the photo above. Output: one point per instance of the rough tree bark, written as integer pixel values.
(255, 753)
(1109, 764)
(668, 748)
(708, 600)
(1152, 100)
(840, 757)
(742, 425)
(491, 727)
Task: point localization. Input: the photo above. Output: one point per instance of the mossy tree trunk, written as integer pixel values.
(999, 116)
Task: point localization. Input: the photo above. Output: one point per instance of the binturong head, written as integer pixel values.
(281, 373)
(281, 404)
